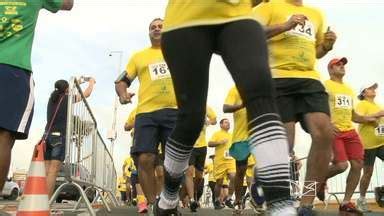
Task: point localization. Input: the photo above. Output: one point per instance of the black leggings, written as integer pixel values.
(242, 46)
(188, 52)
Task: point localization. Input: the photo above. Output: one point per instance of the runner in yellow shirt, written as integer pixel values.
(193, 31)
(223, 164)
(347, 146)
(239, 149)
(128, 167)
(156, 110)
(194, 180)
(372, 136)
(208, 169)
(301, 97)
(122, 188)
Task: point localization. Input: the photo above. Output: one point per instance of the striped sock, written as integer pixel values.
(269, 145)
(175, 163)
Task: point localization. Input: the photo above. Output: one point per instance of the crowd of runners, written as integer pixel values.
(270, 48)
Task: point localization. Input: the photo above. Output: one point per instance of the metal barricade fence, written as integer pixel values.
(336, 185)
(88, 165)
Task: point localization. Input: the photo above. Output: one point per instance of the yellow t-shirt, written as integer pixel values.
(240, 129)
(201, 140)
(340, 99)
(222, 151)
(156, 88)
(292, 53)
(187, 13)
(372, 135)
(129, 166)
(209, 170)
(121, 184)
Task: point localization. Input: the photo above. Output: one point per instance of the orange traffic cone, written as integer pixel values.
(34, 201)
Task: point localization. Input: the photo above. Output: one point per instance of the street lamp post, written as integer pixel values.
(112, 134)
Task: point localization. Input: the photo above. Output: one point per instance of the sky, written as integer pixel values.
(79, 42)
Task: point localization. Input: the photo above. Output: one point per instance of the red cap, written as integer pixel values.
(336, 61)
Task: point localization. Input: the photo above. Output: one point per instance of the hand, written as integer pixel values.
(297, 19)
(336, 130)
(329, 40)
(92, 80)
(126, 98)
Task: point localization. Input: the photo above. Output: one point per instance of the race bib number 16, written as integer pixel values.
(379, 131)
(159, 71)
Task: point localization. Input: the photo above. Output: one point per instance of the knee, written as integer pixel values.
(357, 166)
(191, 122)
(146, 160)
(323, 133)
(341, 167)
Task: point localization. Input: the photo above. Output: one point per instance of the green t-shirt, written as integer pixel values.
(17, 26)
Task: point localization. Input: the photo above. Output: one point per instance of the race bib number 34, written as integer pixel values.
(343, 101)
(159, 71)
(379, 131)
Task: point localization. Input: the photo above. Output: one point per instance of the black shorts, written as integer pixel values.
(151, 129)
(371, 154)
(197, 158)
(16, 99)
(298, 96)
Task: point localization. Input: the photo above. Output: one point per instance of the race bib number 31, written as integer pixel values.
(159, 71)
(379, 131)
(343, 101)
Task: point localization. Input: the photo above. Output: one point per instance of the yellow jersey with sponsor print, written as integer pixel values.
(371, 134)
(240, 129)
(129, 166)
(222, 151)
(188, 13)
(156, 88)
(292, 53)
(341, 98)
(201, 140)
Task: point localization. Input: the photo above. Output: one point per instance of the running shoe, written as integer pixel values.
(350, 208)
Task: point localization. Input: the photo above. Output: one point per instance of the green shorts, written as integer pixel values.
(240, 150)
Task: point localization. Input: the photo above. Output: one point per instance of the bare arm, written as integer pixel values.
(89, 89)
(327, 44)
(121, 85)
(232, 108)
(368, 118)
(67, 5)
(216, 143)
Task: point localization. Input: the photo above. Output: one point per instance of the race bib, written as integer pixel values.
(307, 30)
(227, 155)
(159, 71)
(343, 101)
(379, 131)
